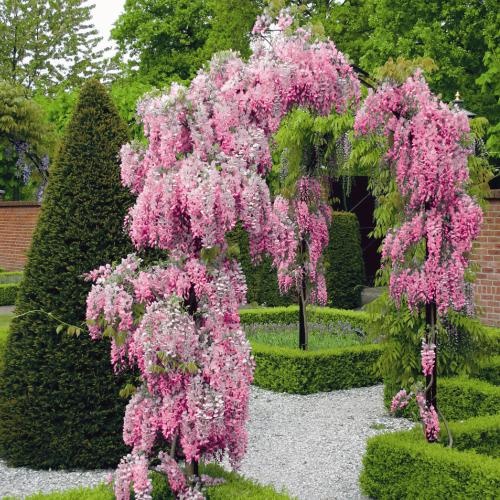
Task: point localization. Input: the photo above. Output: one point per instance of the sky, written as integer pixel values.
(105, 13)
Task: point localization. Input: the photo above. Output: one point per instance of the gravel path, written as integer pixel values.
(310, 445)
(313, 445)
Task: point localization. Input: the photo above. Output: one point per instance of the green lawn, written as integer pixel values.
(235, 487)
(321, 336)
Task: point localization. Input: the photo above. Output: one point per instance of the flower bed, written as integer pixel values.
(403, 465)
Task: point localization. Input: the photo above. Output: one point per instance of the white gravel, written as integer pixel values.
(313, 445)
(310, 445)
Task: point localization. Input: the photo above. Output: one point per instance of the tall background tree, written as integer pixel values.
(46, 43)
(59, 403)
(170, 40)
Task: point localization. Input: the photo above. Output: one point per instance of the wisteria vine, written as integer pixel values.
(428, 252)
(201, 173)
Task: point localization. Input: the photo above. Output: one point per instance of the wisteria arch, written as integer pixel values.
(202, 172)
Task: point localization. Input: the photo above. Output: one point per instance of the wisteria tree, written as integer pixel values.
(202, 172)
(428, 253)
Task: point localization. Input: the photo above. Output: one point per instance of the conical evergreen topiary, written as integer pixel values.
(59, 401)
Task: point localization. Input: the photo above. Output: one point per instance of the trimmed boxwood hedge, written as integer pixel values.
(290, 315)
(11, 277)
(345, 271)
(403, 465)
(459, 398)
(8, 293)
(294, 371)
(489, 371)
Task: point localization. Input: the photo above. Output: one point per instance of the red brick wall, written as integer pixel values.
(487, 254)
(17, 223)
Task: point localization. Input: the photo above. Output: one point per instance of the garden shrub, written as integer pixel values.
(489, 371)
(59, 404)
(459, 398)
(261, 278)
(8, 292)
(403, 465)
(11, 276)
(295, 371)
(345, 273)
(290, 314)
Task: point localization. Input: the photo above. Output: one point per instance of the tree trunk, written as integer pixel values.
(302, 307)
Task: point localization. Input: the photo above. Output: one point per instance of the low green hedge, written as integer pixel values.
(403, 465)
(8, 293)
(283, 369)
(489, 371)
(493, 339)
(290, 315)
(234, 486)
(458, 398)
(11, 276)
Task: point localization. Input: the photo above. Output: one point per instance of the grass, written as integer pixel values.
(234, 487)
(321, 336)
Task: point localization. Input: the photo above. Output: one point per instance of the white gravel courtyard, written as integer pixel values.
(310, 445)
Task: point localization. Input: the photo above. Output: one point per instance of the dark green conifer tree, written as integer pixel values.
(59, 401)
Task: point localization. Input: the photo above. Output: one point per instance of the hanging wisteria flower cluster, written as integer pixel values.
(429, 151)
(201, 173)
(300, 231)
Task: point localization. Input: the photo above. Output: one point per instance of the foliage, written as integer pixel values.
(288, 315)
(489, 371)
(8, 293)
(261, 278)
(461, 343)
(58, 396)
(170, 40)
(345, 268)
(43, 44)
(10, 276)
(26, 140)
(400, 465)
(295, 371)
(451, 33)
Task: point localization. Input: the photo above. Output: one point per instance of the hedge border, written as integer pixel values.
(403, 465)
(458, 398)
(11, 277)
(290, 315)
(283, 369)
(489, 371)
(8, 293)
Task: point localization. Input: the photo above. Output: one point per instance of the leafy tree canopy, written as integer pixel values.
(171, 39)
(45, 43)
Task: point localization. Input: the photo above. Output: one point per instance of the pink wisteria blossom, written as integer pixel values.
(428, 153)
(202, 172)
(428, 354)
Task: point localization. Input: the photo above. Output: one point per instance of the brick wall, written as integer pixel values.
(17, 223)
(487, 254)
